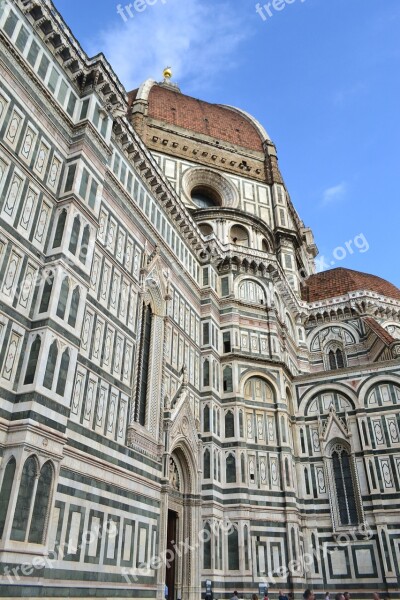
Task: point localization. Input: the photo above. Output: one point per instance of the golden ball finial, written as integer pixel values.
(167, 73)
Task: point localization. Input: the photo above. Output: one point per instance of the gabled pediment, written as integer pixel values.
(184, 422)
(334, 427)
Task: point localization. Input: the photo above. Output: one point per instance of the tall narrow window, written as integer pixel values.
(283, 430)
(46, 294)
(332, 360)
(41, 507)
(73, 311)
(243, 468)
(144, 365)
(207, 547)
(339, 359)
(32, 361)
(233, 550)
(336, 359)
(206, 373)
(24, 500)
(230, 469)
(76, 229)
(85, 245)
(206, 419)
(372, 475)
(307, 482)
(302, 441)
(346, 500)
(246, 547)
(5, 494)
(227, 342)
(58, 236)
(315, 552)
(227, 379)
(63, 374)
(287, 472)
(229, 424)
(62, 302)
(51, 366)
(207, 464)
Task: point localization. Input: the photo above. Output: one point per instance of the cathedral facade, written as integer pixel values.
(186, 407)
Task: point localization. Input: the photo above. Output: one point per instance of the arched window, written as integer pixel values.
(332, 360)
(24, 500)
(206, 419)
(336, 359)
(206, 373)
(230, 469)
(41, 507)
(46, 293)
(62, 302)
(5, 493)
(339, 359)
(265, 246)
(345, 488)
(207, 546)
(206, 229)
(73, 311)
(144, 363)
(60, 229)
(239, 235)
(32, 361)
(51, 366)
(258, 390)
(207, 464)
(205, 197)
(63, 374)
(233, 550)
(229, 424)
(84, 245)
(251, 291)
(76, 230)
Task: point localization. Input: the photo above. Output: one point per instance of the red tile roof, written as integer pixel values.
(337, 282)
(379, 331)
(213, 120)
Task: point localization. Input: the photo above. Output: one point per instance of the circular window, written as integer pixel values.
(205, 197)
(208, 189)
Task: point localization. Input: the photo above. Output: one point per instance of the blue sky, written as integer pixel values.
(322, 76)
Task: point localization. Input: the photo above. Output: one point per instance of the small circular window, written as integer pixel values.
(205, 197)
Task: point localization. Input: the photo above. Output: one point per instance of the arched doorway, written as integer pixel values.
(180, 519)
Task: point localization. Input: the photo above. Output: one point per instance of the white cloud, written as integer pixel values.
(334, 194)
(196, 39)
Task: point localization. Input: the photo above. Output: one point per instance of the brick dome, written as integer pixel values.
(223, 123)
(337, 282)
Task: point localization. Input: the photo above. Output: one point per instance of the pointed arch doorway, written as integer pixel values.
(180, 518)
